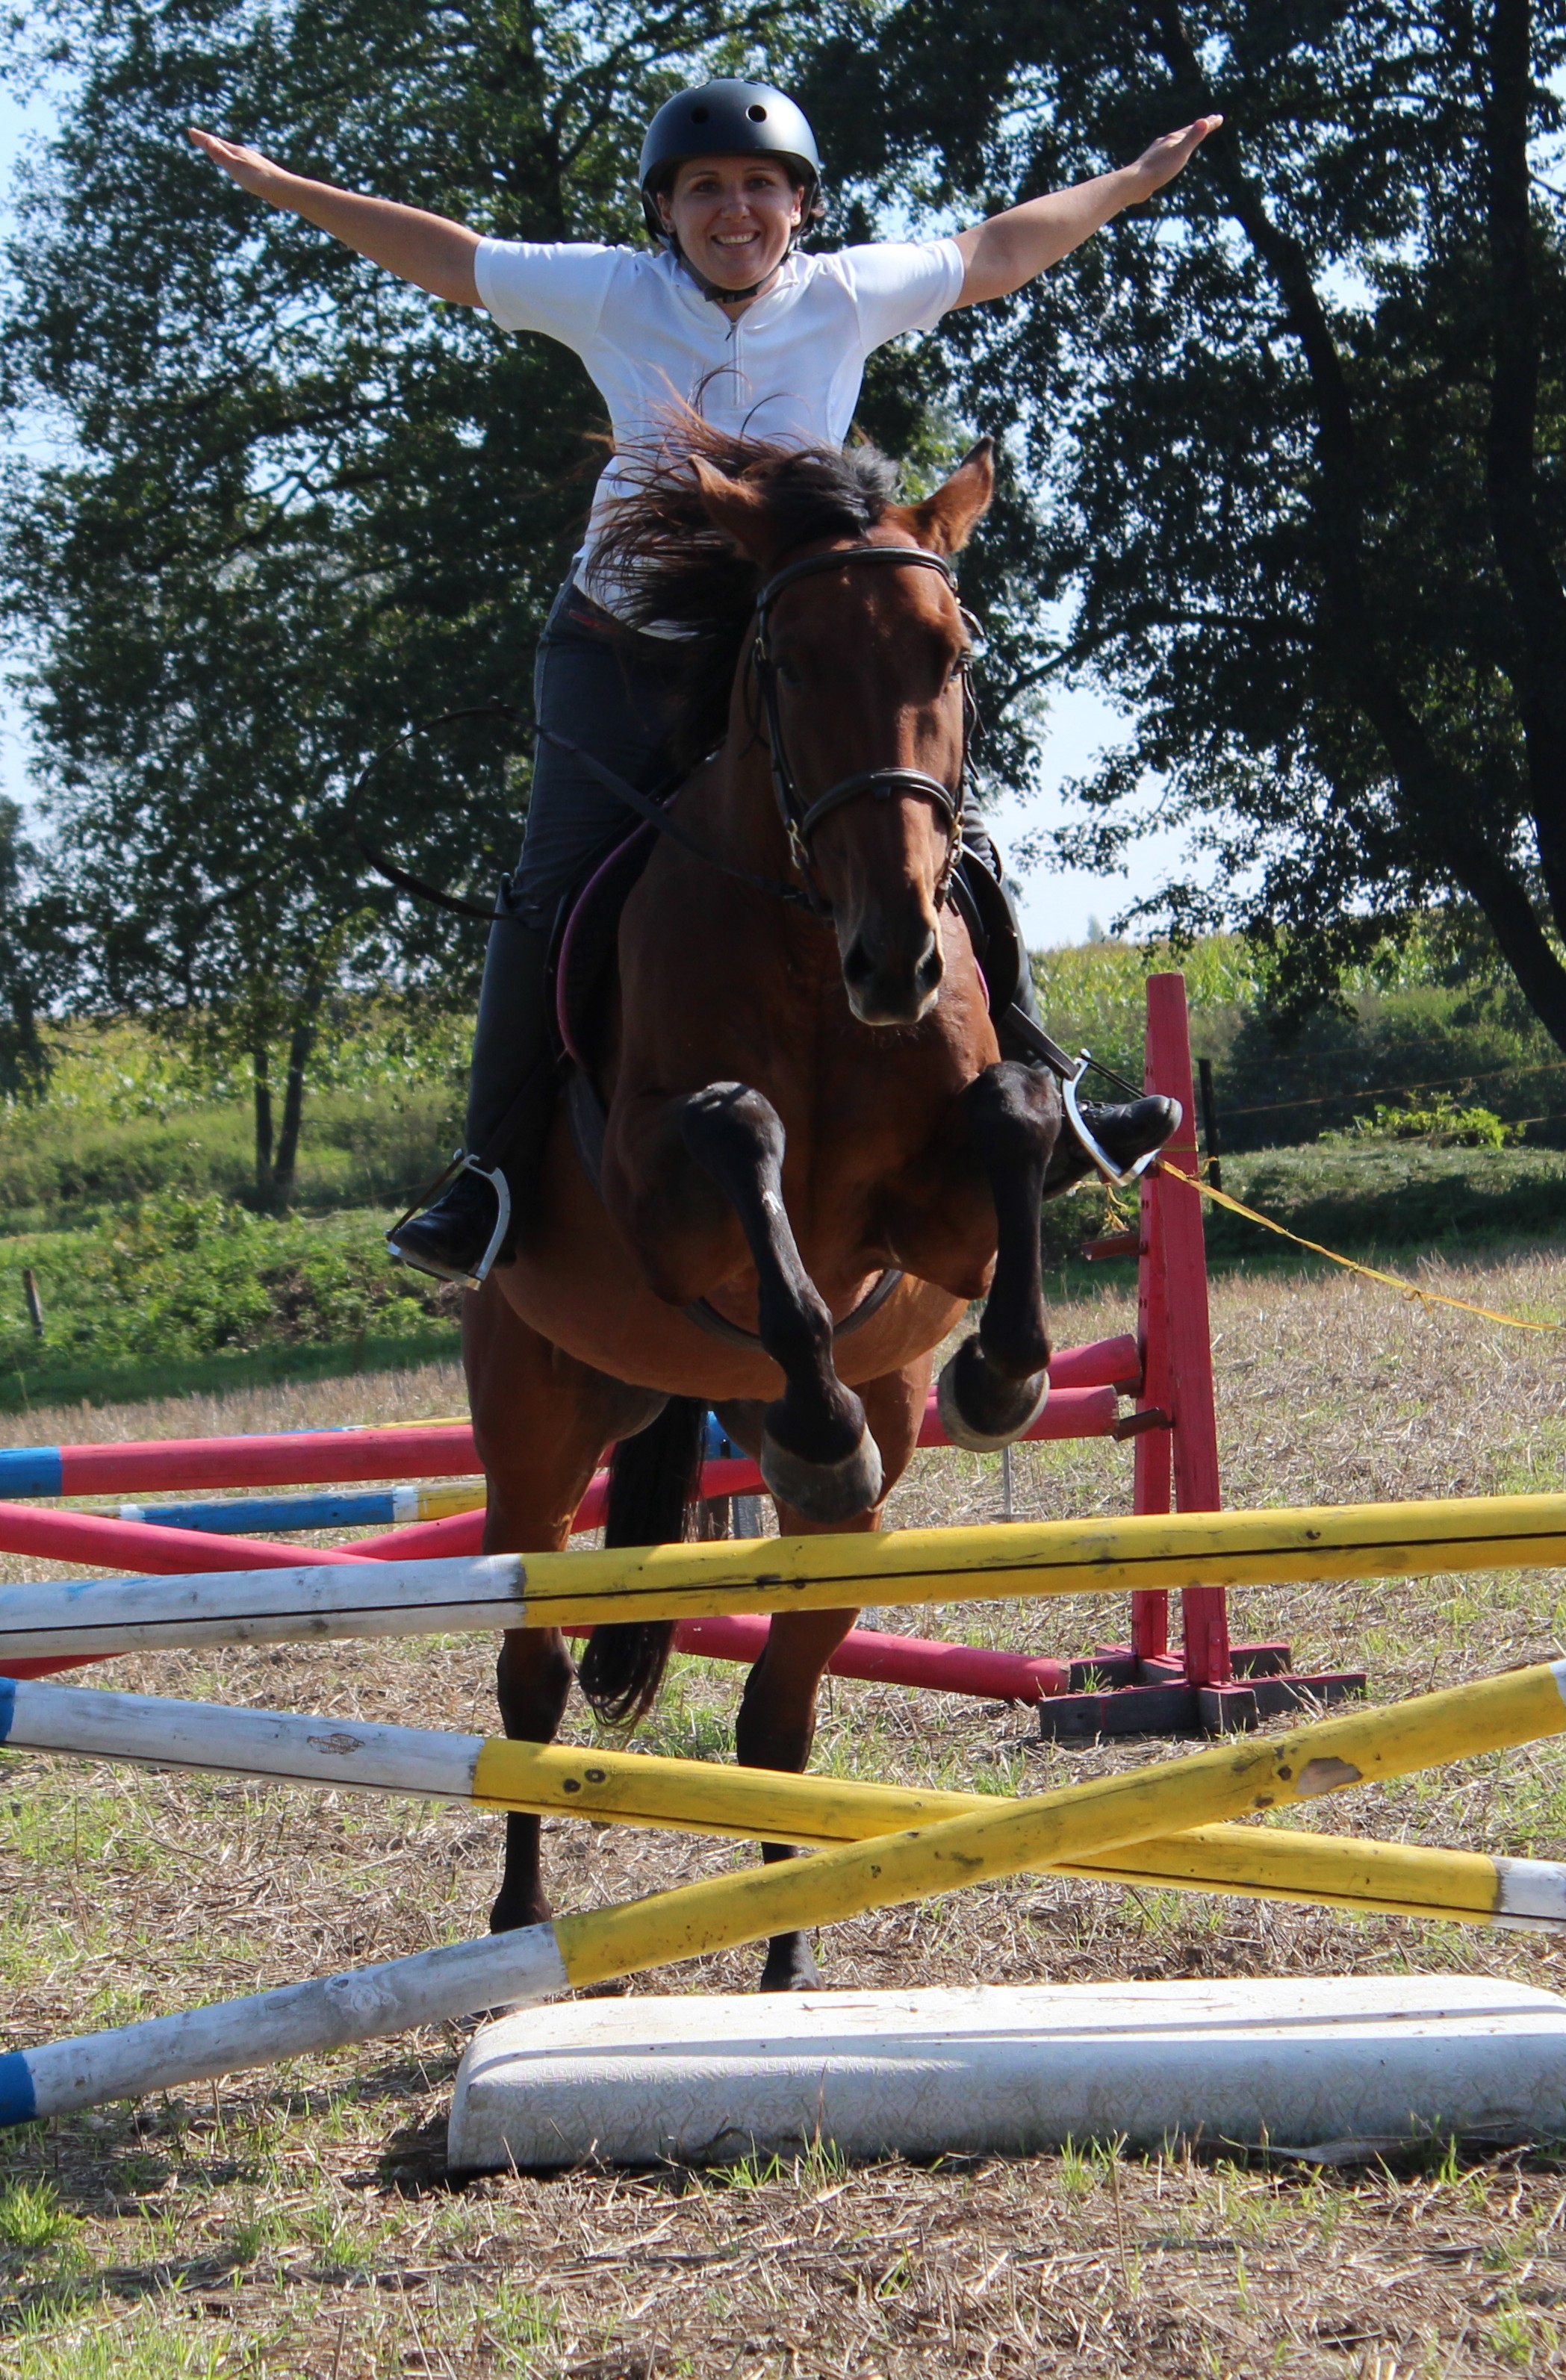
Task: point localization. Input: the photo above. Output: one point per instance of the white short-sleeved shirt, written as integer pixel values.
(788, 369)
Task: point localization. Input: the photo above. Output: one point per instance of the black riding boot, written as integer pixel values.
(510, 1099)
(1124, 1133)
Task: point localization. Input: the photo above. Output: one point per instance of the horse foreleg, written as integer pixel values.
(997, 1382)
(817, 1454)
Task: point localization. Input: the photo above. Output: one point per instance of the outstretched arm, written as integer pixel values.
(426, 250)
(1011, 249)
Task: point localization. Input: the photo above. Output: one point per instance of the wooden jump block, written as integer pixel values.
(1312, 2063)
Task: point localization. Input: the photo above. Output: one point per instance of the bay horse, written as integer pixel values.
(813, 1158)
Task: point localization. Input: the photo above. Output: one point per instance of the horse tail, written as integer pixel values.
(654, 1480)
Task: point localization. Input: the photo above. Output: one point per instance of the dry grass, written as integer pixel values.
(298, 2222)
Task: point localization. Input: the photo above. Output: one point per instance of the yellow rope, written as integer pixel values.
(1389, 1279)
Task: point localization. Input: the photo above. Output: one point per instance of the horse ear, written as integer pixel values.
(738, 509)
(947, 520)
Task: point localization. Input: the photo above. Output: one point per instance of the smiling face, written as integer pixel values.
(732, 216)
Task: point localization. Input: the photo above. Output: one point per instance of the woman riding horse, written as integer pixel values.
(731, 316)
(798, 1149)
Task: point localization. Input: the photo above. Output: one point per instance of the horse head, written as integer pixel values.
(855, 678)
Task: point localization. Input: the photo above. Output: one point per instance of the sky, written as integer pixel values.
(1058, 905)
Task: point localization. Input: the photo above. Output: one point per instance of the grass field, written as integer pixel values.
(299, 2221)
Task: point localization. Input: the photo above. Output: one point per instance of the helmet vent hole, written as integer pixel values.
(698, 115)
(756, 115)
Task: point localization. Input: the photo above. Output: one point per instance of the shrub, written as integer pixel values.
(1440, 1123)
(179, 1277)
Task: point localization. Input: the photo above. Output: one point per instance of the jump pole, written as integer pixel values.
(441, 1521)
(314, 1458)
(701, 1797)
(864, 1653)
(1075, 1822)
(725, 1577)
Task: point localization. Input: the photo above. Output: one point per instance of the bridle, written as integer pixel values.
(800, 818)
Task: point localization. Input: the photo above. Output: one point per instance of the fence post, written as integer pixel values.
(1211, 1122)
(1152, 1475)
(1179, 1271)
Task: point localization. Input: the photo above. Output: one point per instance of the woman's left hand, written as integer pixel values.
(1169, 156)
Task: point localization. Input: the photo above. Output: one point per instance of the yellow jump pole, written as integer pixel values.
(683, 1581)
(1265, 1863)
(1351, 1871)
(693, 1796)
(698, 1797)
(1048, 1557)
(1076, 1823)
(325, 1602)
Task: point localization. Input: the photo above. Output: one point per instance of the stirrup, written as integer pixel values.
(462, 1161)
(1112, 1173)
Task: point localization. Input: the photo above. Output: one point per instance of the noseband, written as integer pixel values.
(800, 818)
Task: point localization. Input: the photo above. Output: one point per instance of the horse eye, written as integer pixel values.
(790, 676)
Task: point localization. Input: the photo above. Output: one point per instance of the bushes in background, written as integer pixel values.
(179, 1277)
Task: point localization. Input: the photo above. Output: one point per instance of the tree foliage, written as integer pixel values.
(1297, 428)
(295, 505)
(22, 1057)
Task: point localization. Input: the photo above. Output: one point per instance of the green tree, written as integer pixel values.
(295, 505)
(1298, 430)
(28, 940)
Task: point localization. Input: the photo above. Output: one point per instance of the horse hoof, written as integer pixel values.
(824, 1492)
(978, 1409)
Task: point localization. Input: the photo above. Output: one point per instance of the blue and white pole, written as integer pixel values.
(299, 2020)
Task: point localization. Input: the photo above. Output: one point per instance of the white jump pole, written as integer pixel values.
(432, 1987)
(456, 1595)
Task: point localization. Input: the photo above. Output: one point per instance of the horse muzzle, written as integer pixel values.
(892, 979)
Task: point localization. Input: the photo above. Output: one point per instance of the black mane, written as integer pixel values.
(671, 567)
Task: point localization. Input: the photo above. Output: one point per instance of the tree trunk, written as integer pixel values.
(261, 1069)
(302, 1041)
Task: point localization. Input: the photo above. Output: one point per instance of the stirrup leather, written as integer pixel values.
(1113, 1174)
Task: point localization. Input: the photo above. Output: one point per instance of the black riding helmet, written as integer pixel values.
(729, 118)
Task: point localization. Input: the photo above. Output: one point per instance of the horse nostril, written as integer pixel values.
(857, 965)
(931, 968)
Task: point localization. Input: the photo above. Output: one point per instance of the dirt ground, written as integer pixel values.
(299, 2221)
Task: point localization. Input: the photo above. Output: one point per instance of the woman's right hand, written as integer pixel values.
(246, 166)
